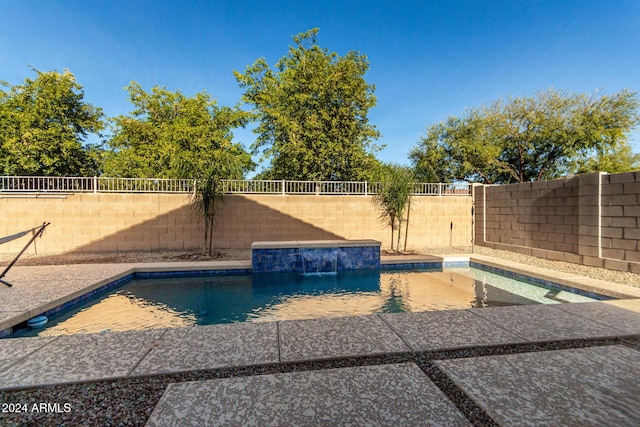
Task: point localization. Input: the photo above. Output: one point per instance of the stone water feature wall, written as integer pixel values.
(326, 256)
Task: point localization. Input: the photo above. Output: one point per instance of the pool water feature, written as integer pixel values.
(324, 256)
(319, 261)
(175, 302)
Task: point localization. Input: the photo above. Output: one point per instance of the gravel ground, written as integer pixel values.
(126, 257)
(130, 402)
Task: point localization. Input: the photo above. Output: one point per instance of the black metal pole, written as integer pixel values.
(38, 233)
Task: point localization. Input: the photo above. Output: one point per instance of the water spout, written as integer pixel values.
(319, 260)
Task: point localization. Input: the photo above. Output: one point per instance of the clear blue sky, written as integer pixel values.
(429, 59)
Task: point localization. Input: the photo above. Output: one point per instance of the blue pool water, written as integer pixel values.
(174, 302)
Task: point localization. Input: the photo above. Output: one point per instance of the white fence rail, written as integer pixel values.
(42, 184)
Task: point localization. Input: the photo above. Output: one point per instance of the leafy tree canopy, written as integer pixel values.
(525, 139)
(312, 111)
(611, 159)
(169, 135)
(43, 123)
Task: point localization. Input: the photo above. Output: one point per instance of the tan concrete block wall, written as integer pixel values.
(537, 215)
(102, 222)
(133, 222)
(590, 219)
(621, 217)
(244, 219)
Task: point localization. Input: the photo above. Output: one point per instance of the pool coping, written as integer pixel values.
(313, 244)
(406, 326)
(128, 272)
(597, 286)
(164, 269)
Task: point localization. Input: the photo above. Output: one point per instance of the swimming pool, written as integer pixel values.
(187, 301)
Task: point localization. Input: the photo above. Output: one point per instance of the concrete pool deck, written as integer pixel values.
(593, 385)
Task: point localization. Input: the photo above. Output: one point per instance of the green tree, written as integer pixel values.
(612, 159)
(43, 124)
(312, 111)
(525, 139)
(169, 135)
(392, 196)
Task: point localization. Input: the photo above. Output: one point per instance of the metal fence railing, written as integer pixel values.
(42, 184)
(442, 189)
(144, 185)
(295, 187)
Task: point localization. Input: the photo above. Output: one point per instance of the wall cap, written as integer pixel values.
(314, 244)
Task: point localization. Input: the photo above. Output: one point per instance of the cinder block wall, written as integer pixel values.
(102, 222)
(146, 222)
(621, 217)
(245, 219)
(588, 219)
(537, 215)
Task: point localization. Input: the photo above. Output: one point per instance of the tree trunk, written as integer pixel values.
(206, 233)
(211, 217)
(406, 230)
(393, 223)
(210, 235)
